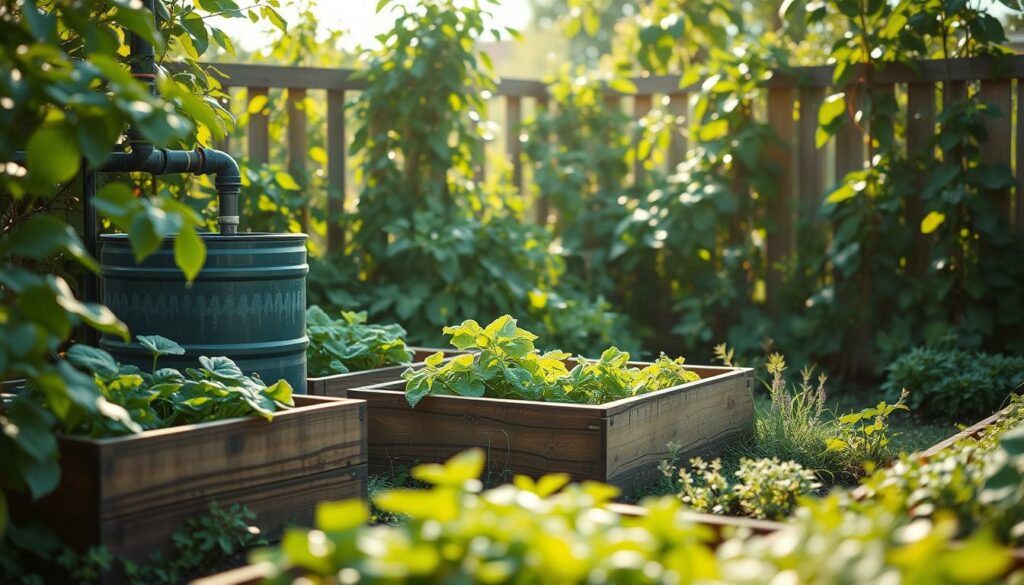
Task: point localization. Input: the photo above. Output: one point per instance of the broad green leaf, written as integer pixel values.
(622, 85)
(159, 345)
(189, 252)
(53, 155)
(93, 359)
(286, 181)
(463, 467)
(221, 368)
(281, 391)
(41, 236)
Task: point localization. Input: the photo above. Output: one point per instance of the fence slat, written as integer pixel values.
(641, 107)
(811, 160)
(999, 129)
(259, 130)
(513, 147)
(224, 143)
(337, 145)
(779, 243)
(297, 145)
(849, 146)
(1019, 195)
(542, 204)
(920, 130)
(678, 105)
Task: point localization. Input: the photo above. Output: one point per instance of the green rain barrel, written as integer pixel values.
(248, 303)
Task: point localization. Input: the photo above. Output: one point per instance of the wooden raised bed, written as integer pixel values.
(132, 493)
(971, 431)
(620, 442)
(338, 384)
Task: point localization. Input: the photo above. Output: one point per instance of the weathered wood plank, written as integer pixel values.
(224, 143)
(337, 146)
(704, 419)
(970, 432)
(542, 206)
(678, 105)
(258, 130)
(132, 493)
(513, 146)
(850, 145)
(999, 128)
(779, 242)
(810, 159)
(921, 100)
(1018, 223)
(297, 145)
(641, 106)
(520, 437)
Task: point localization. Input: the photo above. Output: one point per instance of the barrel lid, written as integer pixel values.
(239, 237)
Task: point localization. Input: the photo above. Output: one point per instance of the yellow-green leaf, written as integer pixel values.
(286, 181)
(932, 221)
(189, 252)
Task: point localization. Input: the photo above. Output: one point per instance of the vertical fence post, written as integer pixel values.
(811, 160)
(678, 105)
(1019, 195)
(224, 144)
(920, 130)
(999, 129)
(336, 146)
(542, 207)
(297, 146)
(513, 147)
(641, 106)
(779, 243)
(259, 130)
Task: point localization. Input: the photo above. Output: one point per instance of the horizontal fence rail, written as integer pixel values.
(792, 99)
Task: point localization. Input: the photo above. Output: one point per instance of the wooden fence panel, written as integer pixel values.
(337, 146)
(298, 145)
(810, 159)
(999, 128)
(542, 206)
(678, 106)
(850, 145)
(259, 129)
(1019, 195)
(513, 146)
(921, 101)
(779, 242)
(641, 106)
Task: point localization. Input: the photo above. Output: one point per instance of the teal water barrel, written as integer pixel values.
(248, 303)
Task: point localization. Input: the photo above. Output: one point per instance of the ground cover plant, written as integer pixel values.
(546, 531)
(212, 541)
(978, 479)
(350, 344)
(507, 365)
(946, 383)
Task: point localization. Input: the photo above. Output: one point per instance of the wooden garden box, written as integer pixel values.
(620, 442)
(338, 384)
(132, 493)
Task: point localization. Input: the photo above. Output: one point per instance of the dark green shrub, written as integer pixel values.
(954, 384)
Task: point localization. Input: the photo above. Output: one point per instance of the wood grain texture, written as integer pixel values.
(702, 419)
(679, 106)
(258, 130)
(337, 146)
(921, 100)
(132, 493)
(641, 107)
(996, 150)
(1018, 198)
(810, 159)
(338, 385)
(513, 146)
(779, 243)
(971, 431)
(619, 442)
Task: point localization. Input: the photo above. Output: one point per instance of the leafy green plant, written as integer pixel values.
(132, 400)
(976, 479)
(508, 366)
(350, 344)
(945, 383)
(763, 488)
(797, 427)
(546, 531)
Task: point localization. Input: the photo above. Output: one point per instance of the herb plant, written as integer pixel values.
(134, 400)
(350, 344)
(763, 488)
(508, 366)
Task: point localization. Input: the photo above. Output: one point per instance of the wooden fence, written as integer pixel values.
(793, 99)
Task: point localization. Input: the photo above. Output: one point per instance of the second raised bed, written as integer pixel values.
(620, 442)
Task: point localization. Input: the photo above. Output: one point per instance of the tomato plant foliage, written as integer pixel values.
(350, 344)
